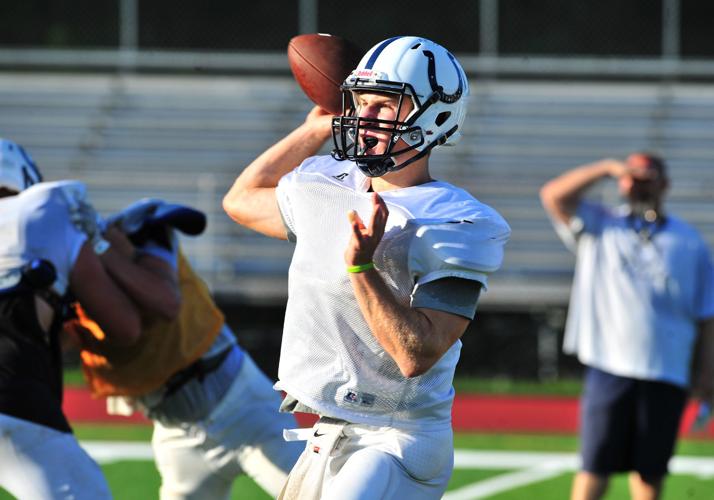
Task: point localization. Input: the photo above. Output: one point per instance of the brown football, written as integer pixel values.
(320, 63)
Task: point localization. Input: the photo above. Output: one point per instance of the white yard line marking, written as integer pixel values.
(539, 466)
(535, 466)
(503, 482)
(471, 459)
(105, 452)
(477, 459)
(703, 468)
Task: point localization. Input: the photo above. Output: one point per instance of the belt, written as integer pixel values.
(198, 369)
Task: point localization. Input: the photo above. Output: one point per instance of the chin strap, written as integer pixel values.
(375, 168)
(382, 166)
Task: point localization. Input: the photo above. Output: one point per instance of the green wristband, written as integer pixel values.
(360, 267)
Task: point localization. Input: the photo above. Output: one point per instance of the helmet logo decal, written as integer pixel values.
(30, 173)
(367, 74)
(435, 87)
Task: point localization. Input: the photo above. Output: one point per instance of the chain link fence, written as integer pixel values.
(606, 28)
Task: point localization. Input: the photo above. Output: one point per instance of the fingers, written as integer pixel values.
(643, 174)
(380, 212)
(318, 111)
(320, 122)
(355, 219)
(378, 221)
(617, 168)
(365, 240)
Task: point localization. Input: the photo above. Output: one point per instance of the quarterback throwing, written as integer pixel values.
(387, 270)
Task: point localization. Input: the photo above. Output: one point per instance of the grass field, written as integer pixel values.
(493, 466)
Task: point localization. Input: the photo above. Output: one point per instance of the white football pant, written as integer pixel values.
(37, 462)
(344, 461)
(242, 435)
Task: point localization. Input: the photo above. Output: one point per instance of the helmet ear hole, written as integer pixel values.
(442, 117)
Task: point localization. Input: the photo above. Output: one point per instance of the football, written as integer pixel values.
(320, 63)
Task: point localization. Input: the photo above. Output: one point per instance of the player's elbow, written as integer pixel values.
(172, 310)
(125, 332)
(554, 203)
(235, 205)
(231, 205)
(170, 307)
(412, 371)
(546, 195)
(415, 366)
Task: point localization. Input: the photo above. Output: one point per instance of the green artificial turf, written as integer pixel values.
(130, 480)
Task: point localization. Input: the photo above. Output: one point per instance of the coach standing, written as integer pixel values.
(643, 292)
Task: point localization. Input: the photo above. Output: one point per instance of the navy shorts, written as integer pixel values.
(628, 424)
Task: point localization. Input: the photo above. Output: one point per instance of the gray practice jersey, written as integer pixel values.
(330, 360)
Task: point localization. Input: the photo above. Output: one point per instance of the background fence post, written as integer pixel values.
(307, 16)
(671, 29)
(128, 32)
(488, 27)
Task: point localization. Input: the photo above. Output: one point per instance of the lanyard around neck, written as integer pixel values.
(645, 229)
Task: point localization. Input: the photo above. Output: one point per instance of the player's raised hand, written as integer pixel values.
(321, 121)
(119, 241)
(364, 241)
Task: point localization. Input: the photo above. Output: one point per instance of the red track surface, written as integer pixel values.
(471, 413)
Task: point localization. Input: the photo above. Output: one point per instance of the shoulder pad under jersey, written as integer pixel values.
(339, 172)
(463, 249)
(69, 193)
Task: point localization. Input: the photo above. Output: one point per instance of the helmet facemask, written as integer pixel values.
(17, 169)
(348, 130)
(409, 68)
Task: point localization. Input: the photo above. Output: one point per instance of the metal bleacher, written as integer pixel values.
(186, 138)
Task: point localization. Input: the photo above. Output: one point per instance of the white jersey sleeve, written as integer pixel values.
(587, 219)
(49, 232)
(452, 295)
(155, 249)
(282, 193)
(468, 249)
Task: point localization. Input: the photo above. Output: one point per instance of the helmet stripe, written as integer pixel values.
(36, 177)
(378, 51)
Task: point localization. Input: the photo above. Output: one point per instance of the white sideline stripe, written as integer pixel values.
(503, 482)
(540, 462)
(471, 459)
(105, 452)
(540, 466)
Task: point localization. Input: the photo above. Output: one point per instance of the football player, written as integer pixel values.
(46, 255)
(215, 413)
(387, 270)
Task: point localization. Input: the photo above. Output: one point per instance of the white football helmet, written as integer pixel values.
(17, 170)
(413, 68)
